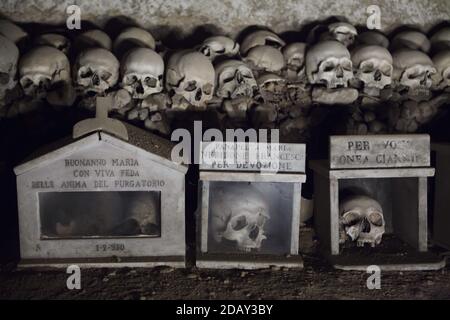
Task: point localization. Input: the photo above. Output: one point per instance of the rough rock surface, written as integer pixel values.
(230, 15)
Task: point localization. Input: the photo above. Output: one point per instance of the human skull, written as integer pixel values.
(294, 57)
(414, 40)
(53, 40)
(142, 71)
(272, 87)
(43, 69)
(441, 39)
(93, 39)
(12, 31)
(373, 38)
(131, 38)
(361, 219)
(217, 46)
(328, 62)
(343, 32)
(9, 54)
(190, 75)
(265, 59)
(441, 79)
(261, 38)
(234, 79)
(145, 213)
(413, 69)
(238, 214)
(373, 66)
(96, 70)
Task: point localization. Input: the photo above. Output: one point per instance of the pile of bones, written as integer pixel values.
(394, 84)
(384, 84)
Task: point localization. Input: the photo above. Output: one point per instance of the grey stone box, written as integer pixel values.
(75, 198)
(441, 217)
(402, 193)
(281, 248)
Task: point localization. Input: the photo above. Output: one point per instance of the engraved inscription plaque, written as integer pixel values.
(245, 156)
(380, 151)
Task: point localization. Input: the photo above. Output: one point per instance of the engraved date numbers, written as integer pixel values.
(110, 247)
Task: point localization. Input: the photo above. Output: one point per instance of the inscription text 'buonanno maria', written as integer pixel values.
(99, 173)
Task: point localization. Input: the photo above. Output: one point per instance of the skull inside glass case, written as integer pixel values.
(250, 220)
(250, 217)
(99, 214)
(102, 201)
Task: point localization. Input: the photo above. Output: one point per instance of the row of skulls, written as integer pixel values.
(220, 68)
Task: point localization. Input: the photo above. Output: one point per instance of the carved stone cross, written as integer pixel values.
(101, 122)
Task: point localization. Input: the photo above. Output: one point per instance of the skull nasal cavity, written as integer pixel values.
(377, 75)
(140, 89)
(95, 80)
(339, 72)
(365, 226)
(198, 95)
(254, 233)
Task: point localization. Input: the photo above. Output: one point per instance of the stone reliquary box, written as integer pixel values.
(101, 200)
(248, 218)
(441, 216)
(371, 202)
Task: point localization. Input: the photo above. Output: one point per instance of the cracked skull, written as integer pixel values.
(411, 39)
(217, 46)
(238, 214)
(441, 80)
(329, 63)
(12, 31)
(191, 75)
(373, 38)
(362, 220)
(343, 32)
(234, 79)
(441, 39)
(265, 59)
(133, 38)
(54, 40)
(373, 66)
(142, 72)
(261, 38)
(93, 39)
(145, 215)
(43, 69)
(96, 70)
(9, 54)
(413, 69)
(294, 56)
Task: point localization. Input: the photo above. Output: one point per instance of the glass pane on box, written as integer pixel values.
(100, 214)
(251, 217)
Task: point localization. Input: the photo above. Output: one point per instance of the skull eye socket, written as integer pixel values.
(346, 65)
(131, 79)
(351, 218)
(376, 219)
(105, 75)
(207, 89)
(228, 77)
(4, 78)
(191, 86)
(367, 67)
(247, 74)
(86, 73)
(386, 69)
(328, 66)
(151, 82)
(239, 223)
(26, 83)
